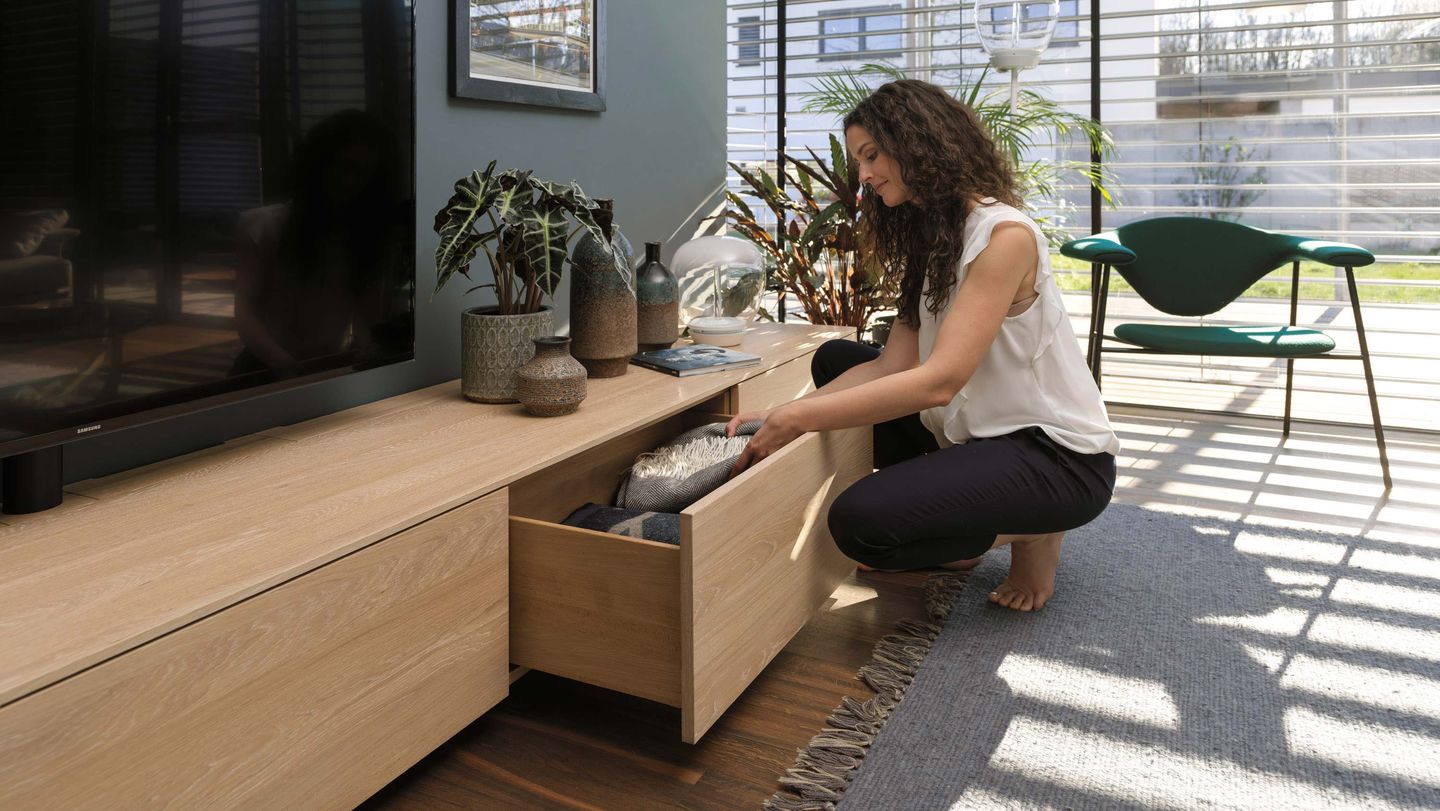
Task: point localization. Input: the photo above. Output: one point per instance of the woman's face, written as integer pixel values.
(877, 170)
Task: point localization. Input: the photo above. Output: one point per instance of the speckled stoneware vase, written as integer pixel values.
(602, 302)
(493, 346)
(552, 384)
(658, 295)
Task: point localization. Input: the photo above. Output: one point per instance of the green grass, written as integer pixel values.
(1324, 291)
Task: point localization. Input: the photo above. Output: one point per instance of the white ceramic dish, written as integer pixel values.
(717, 330)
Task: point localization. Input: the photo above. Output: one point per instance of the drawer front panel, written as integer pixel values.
(758, 561)
(313, 694)
(776, 387)
(597, 608)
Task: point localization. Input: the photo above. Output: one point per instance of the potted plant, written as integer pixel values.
(523, 224)
(820, 256)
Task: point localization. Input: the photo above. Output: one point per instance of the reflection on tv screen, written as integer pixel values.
(198, 198)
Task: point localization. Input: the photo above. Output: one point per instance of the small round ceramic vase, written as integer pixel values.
(552, 384)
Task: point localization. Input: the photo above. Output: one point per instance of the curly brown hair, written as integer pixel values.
(946, 158)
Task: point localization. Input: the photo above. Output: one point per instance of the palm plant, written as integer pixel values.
(1015, 131)
(524, 219)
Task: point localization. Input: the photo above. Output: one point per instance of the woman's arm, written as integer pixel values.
(965, 335)
(901, 352)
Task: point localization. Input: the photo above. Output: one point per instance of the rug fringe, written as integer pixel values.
(824, 768)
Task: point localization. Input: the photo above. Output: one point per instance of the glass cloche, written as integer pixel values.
(719, 276)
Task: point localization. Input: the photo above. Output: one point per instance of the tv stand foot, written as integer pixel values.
(34, 481)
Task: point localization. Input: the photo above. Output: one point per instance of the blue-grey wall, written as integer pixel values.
(658, 149)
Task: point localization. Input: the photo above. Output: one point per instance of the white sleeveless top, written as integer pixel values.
(1034, 374)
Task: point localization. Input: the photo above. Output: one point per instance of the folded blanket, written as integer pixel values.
(684, 470)
(650, 526)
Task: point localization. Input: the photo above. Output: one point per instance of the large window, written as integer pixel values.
(864, 32)
(1318, 118)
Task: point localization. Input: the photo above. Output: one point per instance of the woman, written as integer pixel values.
(989, 430)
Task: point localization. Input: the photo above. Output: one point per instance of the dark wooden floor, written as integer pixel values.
(555, 743)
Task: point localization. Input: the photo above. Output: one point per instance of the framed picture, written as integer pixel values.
(549, 53)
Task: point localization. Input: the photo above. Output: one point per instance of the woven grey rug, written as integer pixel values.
(1184, 663)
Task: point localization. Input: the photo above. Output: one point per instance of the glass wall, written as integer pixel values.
(1315, 118)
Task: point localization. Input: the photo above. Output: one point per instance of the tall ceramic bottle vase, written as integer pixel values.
(658, 294)
(602, 299)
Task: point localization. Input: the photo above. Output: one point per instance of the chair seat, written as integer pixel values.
(1237, 341)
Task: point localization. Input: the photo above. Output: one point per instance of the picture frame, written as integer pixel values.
(547, 53)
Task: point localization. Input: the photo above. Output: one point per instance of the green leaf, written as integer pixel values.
(739, 202)
(821, 221)
(459, 241)
(543, 235)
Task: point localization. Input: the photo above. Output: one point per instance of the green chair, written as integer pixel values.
(1191, 266)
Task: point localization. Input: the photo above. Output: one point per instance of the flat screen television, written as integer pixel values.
(201, 201)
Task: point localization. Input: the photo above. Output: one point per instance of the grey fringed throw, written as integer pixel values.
(684, 470)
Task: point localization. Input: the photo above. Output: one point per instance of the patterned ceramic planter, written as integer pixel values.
(493, 346)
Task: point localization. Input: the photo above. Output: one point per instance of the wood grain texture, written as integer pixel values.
(80, 585)
(776, 386)
(757, 562)
(313, 694)
(599, 608)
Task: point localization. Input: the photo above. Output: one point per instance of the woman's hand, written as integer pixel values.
(777, 431)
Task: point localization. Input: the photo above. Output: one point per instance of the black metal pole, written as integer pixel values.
(780, 36)
(1096, 223)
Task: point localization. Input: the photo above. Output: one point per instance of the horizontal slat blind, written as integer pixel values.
(1319, 118)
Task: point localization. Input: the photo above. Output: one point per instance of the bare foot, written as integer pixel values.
(1031, 581)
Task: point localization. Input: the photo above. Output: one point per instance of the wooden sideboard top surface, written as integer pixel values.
(130, 557)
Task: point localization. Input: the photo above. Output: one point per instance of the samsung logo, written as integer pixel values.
(87, 429)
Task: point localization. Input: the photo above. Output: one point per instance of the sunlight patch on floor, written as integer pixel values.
(1384, 596)
(849, 594)
(1358, 746)
(1381, 637)
(1410, 565)
(1279, 622)
(1235, 473)
(1125, 698)
(1372, 686)
(1269, 658)
(1150, 776)
(1250, 543)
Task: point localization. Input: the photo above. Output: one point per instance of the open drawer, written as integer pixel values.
(689, 626)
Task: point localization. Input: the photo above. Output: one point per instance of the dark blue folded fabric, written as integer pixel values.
(650, 526)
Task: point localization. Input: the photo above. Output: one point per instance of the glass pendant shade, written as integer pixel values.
(1015, 32)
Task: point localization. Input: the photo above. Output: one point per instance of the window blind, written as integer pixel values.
(1317, 118)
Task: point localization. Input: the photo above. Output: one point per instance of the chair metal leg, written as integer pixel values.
(1290, 362)
(1100, 325)
(1094, 309)
(1369, 376)
(1289, 386)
